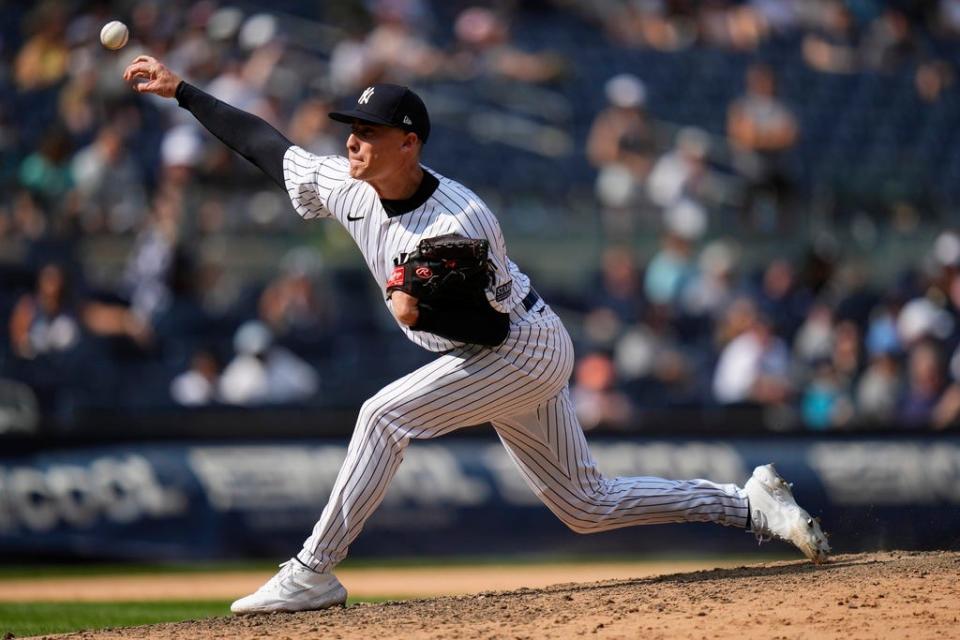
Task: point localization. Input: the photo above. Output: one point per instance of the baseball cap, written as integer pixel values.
(391, 105)
(626, 90)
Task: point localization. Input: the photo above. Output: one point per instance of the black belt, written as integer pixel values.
(532, 299)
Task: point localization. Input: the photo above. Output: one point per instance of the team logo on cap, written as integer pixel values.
(407, 120)
(365, 96)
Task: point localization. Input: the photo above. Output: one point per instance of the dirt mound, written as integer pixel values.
(882, 595)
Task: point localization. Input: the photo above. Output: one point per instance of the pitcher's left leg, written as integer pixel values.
(551, 451)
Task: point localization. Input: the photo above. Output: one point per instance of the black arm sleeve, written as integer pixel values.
(474, 325)
(243, 132)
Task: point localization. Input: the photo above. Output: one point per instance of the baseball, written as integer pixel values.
(114, 35)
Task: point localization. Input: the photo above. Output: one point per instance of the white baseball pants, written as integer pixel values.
(521, 388)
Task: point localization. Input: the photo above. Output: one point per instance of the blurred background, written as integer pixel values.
(747, 214)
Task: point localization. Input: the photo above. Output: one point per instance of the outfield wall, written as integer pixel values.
(451, 496)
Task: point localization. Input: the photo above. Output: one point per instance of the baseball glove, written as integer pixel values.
(448, 270)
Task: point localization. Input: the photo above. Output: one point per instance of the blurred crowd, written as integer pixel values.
(87, 166)
(810, 339)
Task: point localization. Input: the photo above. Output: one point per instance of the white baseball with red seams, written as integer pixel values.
(114, 35)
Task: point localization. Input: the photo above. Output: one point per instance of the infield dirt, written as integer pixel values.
(881, 595)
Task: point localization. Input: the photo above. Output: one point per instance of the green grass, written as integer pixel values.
(38, 618)
(81, 570)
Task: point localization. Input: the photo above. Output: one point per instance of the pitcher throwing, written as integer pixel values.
(438, 255)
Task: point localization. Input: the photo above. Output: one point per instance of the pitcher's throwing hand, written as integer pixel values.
(148, 75)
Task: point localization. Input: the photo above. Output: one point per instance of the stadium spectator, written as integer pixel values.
(815, 338)
(755, 366)
(672, 267)
(351, 66)
(776, 17)
(947, 412)
(298, 305)
(45, 321)
(621, 133)
(763, 130)
(109, 184)
(933, 78)
(655, 368)
(620, 145)
(27, 219)
(783, 297)
(847, 356)
(925, 385)
(922, 319)
(826, 403)
(262, 372)
(198, 385)
(831, 46)
(665, 26)
(311, 129)
(148, 268)
(888, 41)
(731, 25)
(484, 48)
(619, 288)
(397, 49)
(879, 389)
(946, 19)
(43, 59)
(713, 286)
(681, 173)
(53, 319)
(594, 393)
(46, 171)
(78, 106)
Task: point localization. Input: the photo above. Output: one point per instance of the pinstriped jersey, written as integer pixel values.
(321, 187)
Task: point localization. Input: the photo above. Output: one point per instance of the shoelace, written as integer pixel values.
(286, 568)
(758, 527)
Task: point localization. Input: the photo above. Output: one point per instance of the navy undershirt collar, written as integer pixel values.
(428, 185)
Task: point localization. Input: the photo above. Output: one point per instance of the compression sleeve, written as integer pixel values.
(245, 133)
(474, 325)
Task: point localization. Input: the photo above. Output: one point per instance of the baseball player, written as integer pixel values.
(504, 357)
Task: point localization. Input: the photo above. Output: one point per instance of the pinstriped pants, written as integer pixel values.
(521, 388)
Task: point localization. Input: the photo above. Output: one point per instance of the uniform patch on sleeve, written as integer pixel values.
(503, 291)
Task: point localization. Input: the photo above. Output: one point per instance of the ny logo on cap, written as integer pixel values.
(365, 96)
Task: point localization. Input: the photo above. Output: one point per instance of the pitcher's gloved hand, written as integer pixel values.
(444, 271)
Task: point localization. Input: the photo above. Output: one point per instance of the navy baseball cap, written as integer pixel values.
(391, 105)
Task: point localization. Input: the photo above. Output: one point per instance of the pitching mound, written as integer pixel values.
(882, 595)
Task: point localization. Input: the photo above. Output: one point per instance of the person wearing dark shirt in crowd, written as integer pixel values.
(763, 130)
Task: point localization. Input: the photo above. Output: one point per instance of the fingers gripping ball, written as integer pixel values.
(447, 268)
(114, 35)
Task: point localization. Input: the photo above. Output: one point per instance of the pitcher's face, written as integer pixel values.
(376, 150)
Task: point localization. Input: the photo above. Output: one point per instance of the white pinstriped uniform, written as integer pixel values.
(520, 386)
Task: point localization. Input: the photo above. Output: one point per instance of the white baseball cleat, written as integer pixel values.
(774, 513)
(293, 588)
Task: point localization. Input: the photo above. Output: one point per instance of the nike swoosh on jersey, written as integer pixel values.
(354, 219)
